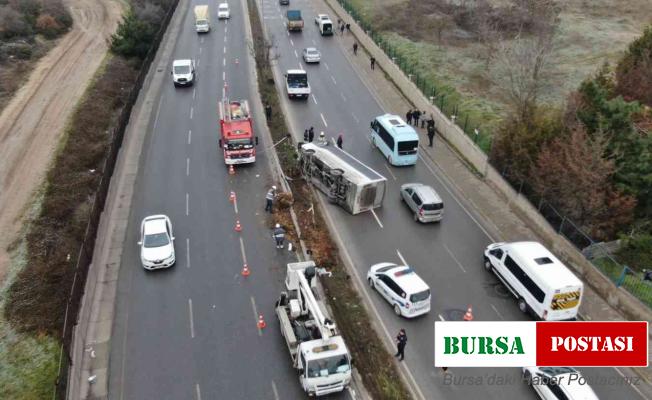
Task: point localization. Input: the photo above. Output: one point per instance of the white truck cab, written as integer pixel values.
(202, 19)
(183, 72)
(223, 11)
(296, 83)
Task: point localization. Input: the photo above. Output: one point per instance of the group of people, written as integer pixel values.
(278, 233)
(412, 117)
(309, 136)
(341, 26)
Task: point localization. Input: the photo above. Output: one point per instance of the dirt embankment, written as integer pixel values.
(33, 122)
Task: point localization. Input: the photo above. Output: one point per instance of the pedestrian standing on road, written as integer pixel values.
(340, 140)
(348, 28)
(342, 30)
(408, 117)
(423, 120)
(279, 236)
(401, 341)
(415, 117)
(322, 138)
(339, 23)
(355, 48)
(431, 133)
(269, 199)
(311, 134)
(268, 112)
(305, 136)
(372, 60)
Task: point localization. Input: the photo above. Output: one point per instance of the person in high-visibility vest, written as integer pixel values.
(279, 236)
(269, 199)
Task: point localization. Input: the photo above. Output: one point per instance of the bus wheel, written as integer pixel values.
(487, 264)
(522, 305)
(397, 310)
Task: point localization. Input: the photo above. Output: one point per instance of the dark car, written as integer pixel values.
(284, 2)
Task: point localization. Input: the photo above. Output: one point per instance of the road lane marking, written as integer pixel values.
(192, 322)
(224, 49)
(201, 40)
(235, 205)
(224, 62)
(343, 97)
(326, 65)
(253, 305)
(197, 391)
(194, 90)
(192, 111)
(376, 216)
(496, 310)
(189, 135)
(296, 54)
(629, 380)
(333, 79)
(390, 171)
(459, 264)
(187, 204)
(187, 166)
(187, 252)
(242, 251)
(323, 120)
(198, 61)
(292, 42)
(275, 391)
(401, 257)
(314, 99)
(441, 318)
(158, 110)
(357, 121)
(224, 75)
(200, 49)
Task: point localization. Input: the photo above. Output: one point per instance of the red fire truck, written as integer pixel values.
(238, 140)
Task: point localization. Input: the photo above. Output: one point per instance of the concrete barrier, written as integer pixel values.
(618, 298)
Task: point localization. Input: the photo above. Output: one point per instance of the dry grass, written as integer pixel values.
(590, 33)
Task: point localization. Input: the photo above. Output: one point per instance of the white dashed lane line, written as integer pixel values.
(253, 306)
(187, 167)
(189, 135)
(323, 120)
(197, 392)
(192, 111)
(390, 171)
(357, 121)
(342, 95)
(187, 204)
(333, 79)
(292, 42)
(326, 65)
(401, 257)
(275, 391)
(376, 217)
(314, 99)
(459, 264)
(497, 312)
(187, 252)
(192, 322)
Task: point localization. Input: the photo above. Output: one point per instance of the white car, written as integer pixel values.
(403, 289)
(321, 17)
(156, 242)
(183, 72)
(223, 11)
(311, 55)
(556, 383)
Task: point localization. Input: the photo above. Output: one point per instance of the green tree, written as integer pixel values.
(133, 38)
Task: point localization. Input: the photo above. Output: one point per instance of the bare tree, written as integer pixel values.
(264, 50)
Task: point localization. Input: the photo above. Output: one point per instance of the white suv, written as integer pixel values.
(408, 294)
(156, 242)
(558, 383)
(223, 11)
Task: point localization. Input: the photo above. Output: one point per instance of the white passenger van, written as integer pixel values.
(540, 282)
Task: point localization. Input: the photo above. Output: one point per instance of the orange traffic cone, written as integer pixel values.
(238, 227)
(231, 170)
(232, 197)
(261, 322)
(245, 270)
(468, 316)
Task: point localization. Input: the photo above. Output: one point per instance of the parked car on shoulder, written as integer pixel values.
(321, 17)
(423, 201)
(284, 2)
(183, 72)
(401, 287)
(311, 55)
(156, 242)
(558, 383)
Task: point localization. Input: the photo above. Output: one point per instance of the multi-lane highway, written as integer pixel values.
(447, 255)
(190, 332)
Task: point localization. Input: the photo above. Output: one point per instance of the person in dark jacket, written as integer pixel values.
(340, 140)
(415, 117)
(279, 236)
(401, 341)
(355, 48)
(431, 134)
(311, 134)
(408, 117)
(372, 60)
(268, 112)
(305, 136)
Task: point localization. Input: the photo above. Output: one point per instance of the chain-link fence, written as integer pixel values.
(86, 251)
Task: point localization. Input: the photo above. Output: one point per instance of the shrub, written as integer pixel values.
(56, 9)
(48, 26)
(636, 251)
(133, 38)
(19, 50)
(12, 24)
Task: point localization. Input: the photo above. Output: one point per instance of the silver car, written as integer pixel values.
(311, 55)
(423, 201)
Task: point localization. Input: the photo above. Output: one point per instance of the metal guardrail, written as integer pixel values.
(621, 275)
(85, 255)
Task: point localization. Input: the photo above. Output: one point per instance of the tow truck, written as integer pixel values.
(237, 135)
(318, 352)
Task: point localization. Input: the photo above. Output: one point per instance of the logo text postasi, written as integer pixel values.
(592, 343)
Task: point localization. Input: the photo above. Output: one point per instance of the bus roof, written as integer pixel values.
(354, 170)
(546, 267)
(296, 72)
(398, 128)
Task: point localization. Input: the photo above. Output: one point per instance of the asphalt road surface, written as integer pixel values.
(190, 332)
(447, 255)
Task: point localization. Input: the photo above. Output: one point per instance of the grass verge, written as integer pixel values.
(36, 300)
(375, 364)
